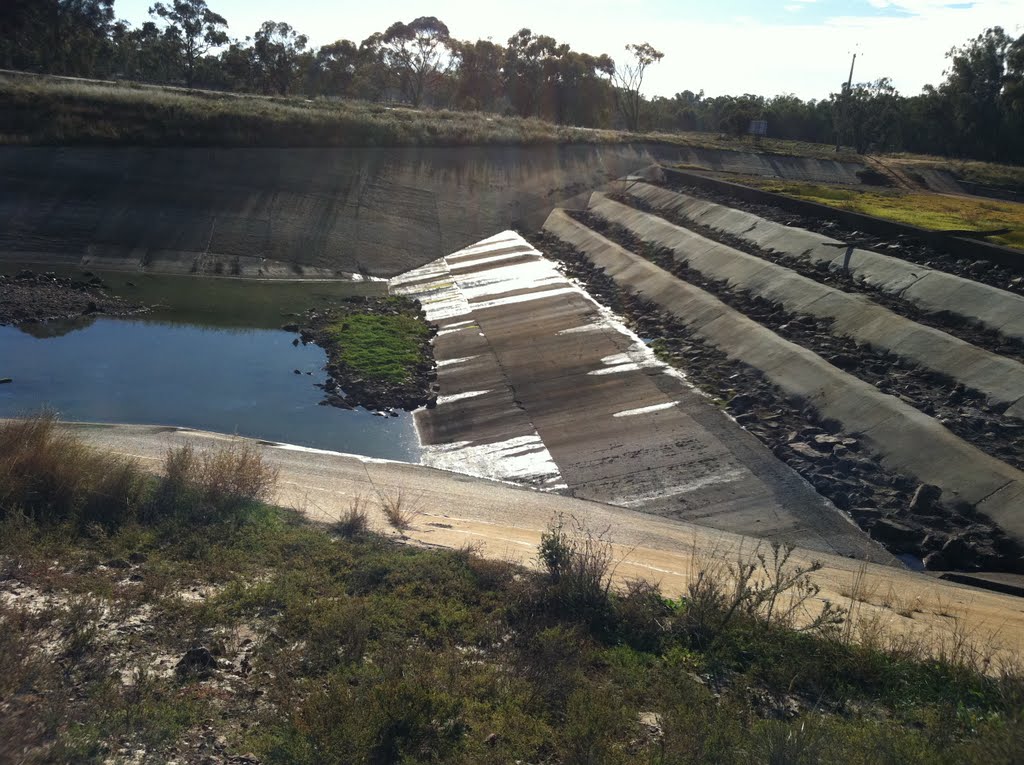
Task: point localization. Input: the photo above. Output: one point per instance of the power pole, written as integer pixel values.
(846, 98)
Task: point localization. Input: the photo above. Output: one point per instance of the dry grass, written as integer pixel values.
(51, 476)
(398, 509)
(355, 521)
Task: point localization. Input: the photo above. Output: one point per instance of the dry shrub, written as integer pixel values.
(355, 521)
(49, 474)
(399, 511)
(215, 485)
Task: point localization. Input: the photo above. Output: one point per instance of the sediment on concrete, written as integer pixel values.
(905, 439)
(928, 288)
(542, 385)
(998, 378)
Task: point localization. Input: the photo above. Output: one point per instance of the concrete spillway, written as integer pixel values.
(310, 212)
(540, 384)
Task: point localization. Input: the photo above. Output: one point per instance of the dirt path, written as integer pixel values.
(506, 522)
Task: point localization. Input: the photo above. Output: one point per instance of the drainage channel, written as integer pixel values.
(961, 327)
(891, 507)
(961, 410)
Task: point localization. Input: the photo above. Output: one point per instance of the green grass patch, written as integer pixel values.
(925, 210)
(380, 347)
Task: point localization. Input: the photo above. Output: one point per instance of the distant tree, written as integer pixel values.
(196, 28)
(629, 79)
(529, 61)
(872, 116)
(276, 50)
(57, 36)
(477, 74)
(416, 53)
(334, 68)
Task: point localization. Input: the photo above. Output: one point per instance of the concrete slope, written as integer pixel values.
(930, 289)
(505, 522)
(542, 385)
(906, 440)
(999, 378)
(275, 212)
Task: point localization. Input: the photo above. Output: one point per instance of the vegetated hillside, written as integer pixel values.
(58, 110)
(180, 618)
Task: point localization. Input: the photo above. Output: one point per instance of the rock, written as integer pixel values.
(296, 371)
(893, 532)
(492, 740)
(137, 557)
(925, 498)
(5, 380)
(960, 553)
(197, 659)
(936, 561)
(290, 327)
(808, 451)
(742, 402)
(117, 563)
(651, 724)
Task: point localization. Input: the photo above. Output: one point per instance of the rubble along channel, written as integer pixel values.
(210, 354)
(952, 324)
(962, 410)
(909, 519)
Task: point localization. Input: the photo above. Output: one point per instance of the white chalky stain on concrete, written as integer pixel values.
(460, 396)
(645, 409)
(453, 362)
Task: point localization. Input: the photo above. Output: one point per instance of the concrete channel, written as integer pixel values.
(539, 384)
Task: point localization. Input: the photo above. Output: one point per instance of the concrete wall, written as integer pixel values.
(257, 211)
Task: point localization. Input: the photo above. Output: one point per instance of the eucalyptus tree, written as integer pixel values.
(417, 53)
(197, 29)
(629, 80)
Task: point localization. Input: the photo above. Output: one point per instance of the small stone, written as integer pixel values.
(198, 659)
(117, 563)
(893, 532)
(5, 380)
(806, 450)
(492, 740)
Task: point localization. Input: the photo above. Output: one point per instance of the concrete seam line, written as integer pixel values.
(992, 493)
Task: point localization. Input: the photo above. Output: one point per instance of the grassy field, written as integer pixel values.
(179, 617)
(931, 211)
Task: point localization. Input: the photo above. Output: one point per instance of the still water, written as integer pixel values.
(176, 368)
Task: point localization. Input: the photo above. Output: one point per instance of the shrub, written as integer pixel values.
(353, 522)
(49, 474)
(212, 486)
(578, 563)
(399, 512)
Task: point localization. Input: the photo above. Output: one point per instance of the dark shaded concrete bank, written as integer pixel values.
(286, 213)
(539, 384)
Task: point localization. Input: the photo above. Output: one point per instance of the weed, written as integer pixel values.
(399, 511)
(355, 521)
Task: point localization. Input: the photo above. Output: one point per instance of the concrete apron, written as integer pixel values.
(540, 385)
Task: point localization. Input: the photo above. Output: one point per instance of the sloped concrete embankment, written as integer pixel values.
(905, 439)
(286, 213)
(1000, 379)
(929, 288)
(539, 384)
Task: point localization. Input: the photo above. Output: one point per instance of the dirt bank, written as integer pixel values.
(34, 297)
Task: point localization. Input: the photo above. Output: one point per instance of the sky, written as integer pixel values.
(722, 47)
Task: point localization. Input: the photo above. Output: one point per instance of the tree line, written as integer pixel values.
(976, 111)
